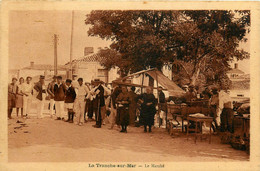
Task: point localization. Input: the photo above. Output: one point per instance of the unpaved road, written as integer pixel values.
(48, 140)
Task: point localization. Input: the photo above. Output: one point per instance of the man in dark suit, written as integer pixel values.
(41, 88)
(98, 92)
(70, 96)
(59, 97)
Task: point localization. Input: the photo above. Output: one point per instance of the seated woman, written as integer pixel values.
(122, 101)
(148, 109)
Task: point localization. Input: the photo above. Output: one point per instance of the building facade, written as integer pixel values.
(89, 68)
(240, 84)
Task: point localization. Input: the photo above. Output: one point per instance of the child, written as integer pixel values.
(70, 96)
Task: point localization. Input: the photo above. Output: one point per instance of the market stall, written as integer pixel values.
(161, 80)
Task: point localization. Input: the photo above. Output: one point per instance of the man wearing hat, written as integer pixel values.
(42, 90)
(27, 90)
(12, 87)
(70, 96)
(98, 95)
(51, 93)
(59, 97)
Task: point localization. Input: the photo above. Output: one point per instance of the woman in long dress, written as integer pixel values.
(148, 110)
(123, 101)
(19, 97)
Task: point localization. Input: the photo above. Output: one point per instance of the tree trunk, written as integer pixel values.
(195, 74)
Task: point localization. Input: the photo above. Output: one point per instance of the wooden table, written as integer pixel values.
(175, 111)
(200, 120)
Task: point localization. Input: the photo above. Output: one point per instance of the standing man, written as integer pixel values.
(27, 91)
(59, 97)
(92, 102)
(12, 88)
(99, 104)
(80, 102)
(70, 96)
(162, 106)
(51, 93)
(42, 90)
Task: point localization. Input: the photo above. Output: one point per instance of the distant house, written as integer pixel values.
(89, 68)
(240, 84)
(235, 73)
(35, 70)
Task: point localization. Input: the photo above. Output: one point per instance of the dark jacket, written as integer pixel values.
(59, 92)
(50, 89)
(100, 96)
(147, 111)
(70, 95)
(38, 88)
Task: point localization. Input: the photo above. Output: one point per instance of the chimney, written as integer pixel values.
(236, 65)
(88, 50)
(32, 64)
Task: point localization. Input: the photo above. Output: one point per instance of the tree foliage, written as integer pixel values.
(203, 40)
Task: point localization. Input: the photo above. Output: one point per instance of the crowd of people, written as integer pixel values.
(115, 104)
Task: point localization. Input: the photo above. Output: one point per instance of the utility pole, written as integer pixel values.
(55, 56)
(71, 44)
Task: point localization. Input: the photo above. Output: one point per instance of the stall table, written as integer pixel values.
(199, 119)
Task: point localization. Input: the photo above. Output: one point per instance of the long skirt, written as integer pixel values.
(122, 116)
(147, 115)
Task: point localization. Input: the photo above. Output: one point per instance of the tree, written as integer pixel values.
(112, 59)
(211, 39)
(204, 40)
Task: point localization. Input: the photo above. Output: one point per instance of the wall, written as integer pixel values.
(25, 73)
(89, 71)
(235, 93)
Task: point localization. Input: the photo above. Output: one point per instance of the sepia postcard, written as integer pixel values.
(129, 85)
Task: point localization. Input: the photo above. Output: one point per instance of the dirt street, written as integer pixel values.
(48, 140)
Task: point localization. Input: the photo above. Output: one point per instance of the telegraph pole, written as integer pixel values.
(71, 44)
(55, 56)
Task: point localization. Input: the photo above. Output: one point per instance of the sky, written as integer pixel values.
(31, 38)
